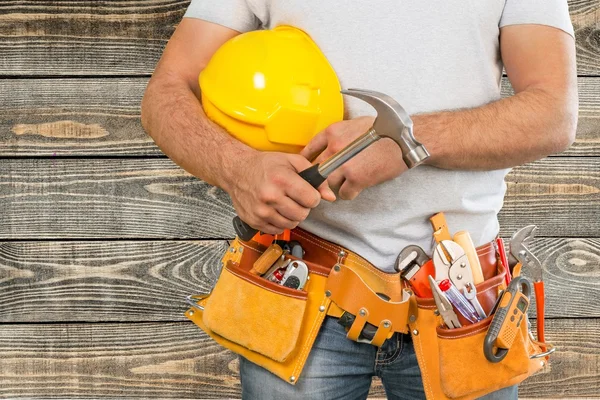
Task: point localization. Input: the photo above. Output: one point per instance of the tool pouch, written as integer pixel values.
(269, 324)
(452, 362)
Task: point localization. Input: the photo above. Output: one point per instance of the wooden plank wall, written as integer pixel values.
(101, 236)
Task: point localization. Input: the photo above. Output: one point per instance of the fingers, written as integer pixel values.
(297, 188)
(315, 147)
(348, 191)
(326, 192)
(291, 210)
(336, 179)
(299, 162)
(268, 220)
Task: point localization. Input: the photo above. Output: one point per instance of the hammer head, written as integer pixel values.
(394, 122)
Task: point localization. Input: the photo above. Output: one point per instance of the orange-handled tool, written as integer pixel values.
(532, 268)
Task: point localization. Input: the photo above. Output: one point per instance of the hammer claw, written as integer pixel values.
(393, 121)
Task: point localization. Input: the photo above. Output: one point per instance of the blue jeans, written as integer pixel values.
(338, 368)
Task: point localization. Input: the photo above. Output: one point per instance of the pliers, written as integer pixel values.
(443, 305)
(520, 254)
(451, 262)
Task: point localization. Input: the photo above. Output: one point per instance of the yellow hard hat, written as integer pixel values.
(271, 89)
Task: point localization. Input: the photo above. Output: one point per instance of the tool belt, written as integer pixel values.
(275, 326)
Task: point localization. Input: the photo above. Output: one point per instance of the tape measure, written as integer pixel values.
(510, 313)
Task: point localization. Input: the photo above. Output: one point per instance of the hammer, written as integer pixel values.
(392, 121)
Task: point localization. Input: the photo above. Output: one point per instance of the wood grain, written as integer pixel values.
(104, 281)
(560, 195)
(82, 37)
(148, 281)
(585, 15)
(67, 117)
(118, 198)
(101, 117)
(122, 198)
(177, 360)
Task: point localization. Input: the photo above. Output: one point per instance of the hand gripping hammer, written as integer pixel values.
(392, 121)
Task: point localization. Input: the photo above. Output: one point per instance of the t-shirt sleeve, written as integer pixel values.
(543, 12)
(233, 14)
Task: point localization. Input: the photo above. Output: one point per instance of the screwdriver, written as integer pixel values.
(459, 301)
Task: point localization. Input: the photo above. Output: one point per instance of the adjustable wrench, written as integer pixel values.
(520, 254)
(414, 266)
(392, 121)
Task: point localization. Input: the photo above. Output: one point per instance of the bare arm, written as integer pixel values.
(172, 114)
(540, 119)
(265, 188)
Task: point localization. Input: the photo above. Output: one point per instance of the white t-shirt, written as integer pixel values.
(428, 55)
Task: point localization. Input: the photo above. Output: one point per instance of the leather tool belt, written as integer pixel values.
(245, 312)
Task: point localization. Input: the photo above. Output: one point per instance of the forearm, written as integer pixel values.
(509, 132)
(174, 118)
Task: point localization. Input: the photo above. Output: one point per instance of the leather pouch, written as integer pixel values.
(452, 362)
(269, 324)
(257, 314)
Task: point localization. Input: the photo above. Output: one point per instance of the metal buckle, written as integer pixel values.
(190, 301)
(551, 349)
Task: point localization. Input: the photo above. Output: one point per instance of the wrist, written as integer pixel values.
(422, 133)
(233, 163)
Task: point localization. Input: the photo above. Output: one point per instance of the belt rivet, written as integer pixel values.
(436, 312)
(327, 293)
(412, 318)
(342, 253)
(322, 308)
(231, 250)
(362, 312)
(336, 268)
(463, 265)
(241, 249)
(292, 379)
(386, 324)
(191, 313)
(542, 363)
(415, 332)
(459, 276)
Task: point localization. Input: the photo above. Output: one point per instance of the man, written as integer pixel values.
(442, 60)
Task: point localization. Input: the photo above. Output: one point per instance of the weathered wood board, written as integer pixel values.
(117, 198)
(84, 37)
(153, 198)
(101, 117)
(102, 237)
(67, 117)
(177, 360)
(149, 280)
(104, 281)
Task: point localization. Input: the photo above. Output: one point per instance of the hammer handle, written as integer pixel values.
(313, 176)
(317, 174)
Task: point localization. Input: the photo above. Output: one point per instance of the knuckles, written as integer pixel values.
(267, 195)
(262, 212)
